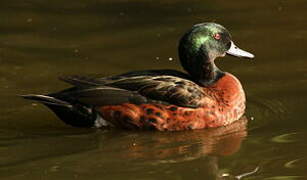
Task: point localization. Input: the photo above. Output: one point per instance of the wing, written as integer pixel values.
(99, 96)
(169, 86)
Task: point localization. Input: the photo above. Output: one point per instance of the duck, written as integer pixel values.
(163, 100)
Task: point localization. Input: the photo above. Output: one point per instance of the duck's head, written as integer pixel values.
(201, 45)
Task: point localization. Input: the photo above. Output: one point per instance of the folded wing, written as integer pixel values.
(138, 88)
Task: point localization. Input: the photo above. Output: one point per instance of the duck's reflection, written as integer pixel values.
(172, 147)
(183, 153)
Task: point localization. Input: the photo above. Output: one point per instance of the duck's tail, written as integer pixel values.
(47, 100)
(74, 114)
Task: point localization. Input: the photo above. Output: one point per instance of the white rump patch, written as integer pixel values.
(100, 122)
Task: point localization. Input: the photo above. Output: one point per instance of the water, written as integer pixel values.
(40, 41)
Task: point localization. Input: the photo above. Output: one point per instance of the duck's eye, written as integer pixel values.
(217, 36)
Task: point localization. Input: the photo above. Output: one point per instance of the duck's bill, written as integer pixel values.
(235, 51)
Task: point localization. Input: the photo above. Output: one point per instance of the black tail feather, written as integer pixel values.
(73, 114)
(48, 100)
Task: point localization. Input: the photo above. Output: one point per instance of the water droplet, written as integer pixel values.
(54, 168)
(170, 58)
(157, 58)
(225, 175)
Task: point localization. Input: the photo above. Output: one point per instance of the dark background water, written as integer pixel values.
(41, 40)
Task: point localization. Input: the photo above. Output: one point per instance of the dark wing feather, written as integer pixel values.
(167, 87)
(100, 96)
(80, 81)
(94, 80)
(171, 89)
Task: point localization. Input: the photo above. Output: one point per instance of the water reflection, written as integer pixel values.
(90, 150)
(203, 147)
(185, 146)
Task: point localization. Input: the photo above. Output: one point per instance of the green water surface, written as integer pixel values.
(41, 40)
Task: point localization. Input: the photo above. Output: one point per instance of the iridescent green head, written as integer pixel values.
(201, 45)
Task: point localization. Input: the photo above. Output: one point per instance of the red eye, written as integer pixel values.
(217, 36)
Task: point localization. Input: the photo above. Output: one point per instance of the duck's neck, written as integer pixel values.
(209, 74)
(202, 69)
